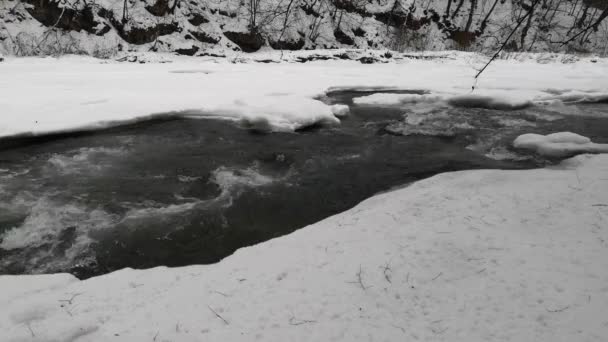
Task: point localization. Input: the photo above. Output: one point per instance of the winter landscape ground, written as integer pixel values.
(471, 255)
(303, 170)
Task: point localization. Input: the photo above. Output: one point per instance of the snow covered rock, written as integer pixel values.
(340, 110)
(557, 145)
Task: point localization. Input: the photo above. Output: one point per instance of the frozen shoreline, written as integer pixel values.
(473, 255)
(71, 93)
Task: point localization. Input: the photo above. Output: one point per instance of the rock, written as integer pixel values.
(247, 41)
(197, 19)
(50, 14)
(342, 37)
(204, 37)
(143, 35)
(288, 44)
(160, 8)
(188, 52)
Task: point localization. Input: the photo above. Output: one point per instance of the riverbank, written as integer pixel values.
(42, 95)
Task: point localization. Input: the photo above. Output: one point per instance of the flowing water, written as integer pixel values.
(175, 192)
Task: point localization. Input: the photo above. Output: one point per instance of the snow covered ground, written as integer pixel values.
(465, 256)
(45, 95)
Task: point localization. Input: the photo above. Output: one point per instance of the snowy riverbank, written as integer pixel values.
(465, 256)
(48, 95)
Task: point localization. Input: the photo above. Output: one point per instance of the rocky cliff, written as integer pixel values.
(198, 27)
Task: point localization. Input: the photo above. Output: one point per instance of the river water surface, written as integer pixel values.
(176, 192)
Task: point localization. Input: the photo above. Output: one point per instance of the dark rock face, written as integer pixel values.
(463, 38)
(247, 41)
(197, 19)
(188, 52)
(359, 32)
(144, 35)
(342, 37)
(160, 8)
(50, 14)
(204, 37)
(288, 44)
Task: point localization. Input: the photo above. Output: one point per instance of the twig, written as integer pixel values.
(69, 301)
(437, 276)
(360, 279)
(294, 321)
(559, 310)
(600, 205)
(155, 336)
(398, 327)
(30, 329)
(505, 42)
(218, 315)
(386, 269)
(221, 293)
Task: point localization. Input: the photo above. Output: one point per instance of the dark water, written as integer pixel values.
(183, 191)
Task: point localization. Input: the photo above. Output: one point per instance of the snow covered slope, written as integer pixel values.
(198, 27)
(466, 256)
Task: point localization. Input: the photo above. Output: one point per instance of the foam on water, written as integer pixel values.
(55, 235)
(232, 180)
(155, 212)
(84, 160)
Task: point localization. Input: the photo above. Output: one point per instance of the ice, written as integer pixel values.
(563, 144)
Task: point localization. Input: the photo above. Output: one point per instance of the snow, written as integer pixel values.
(340, 110)
(42, 95)
(464, 256)
(563, 144)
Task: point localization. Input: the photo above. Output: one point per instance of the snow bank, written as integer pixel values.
(49, 95)
(563, 144)
(465, 256)
(340, 110)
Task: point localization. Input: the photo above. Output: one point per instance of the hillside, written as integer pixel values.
(104, 28)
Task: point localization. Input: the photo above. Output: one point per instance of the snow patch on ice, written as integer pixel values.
(272, 113)
(563, 144)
